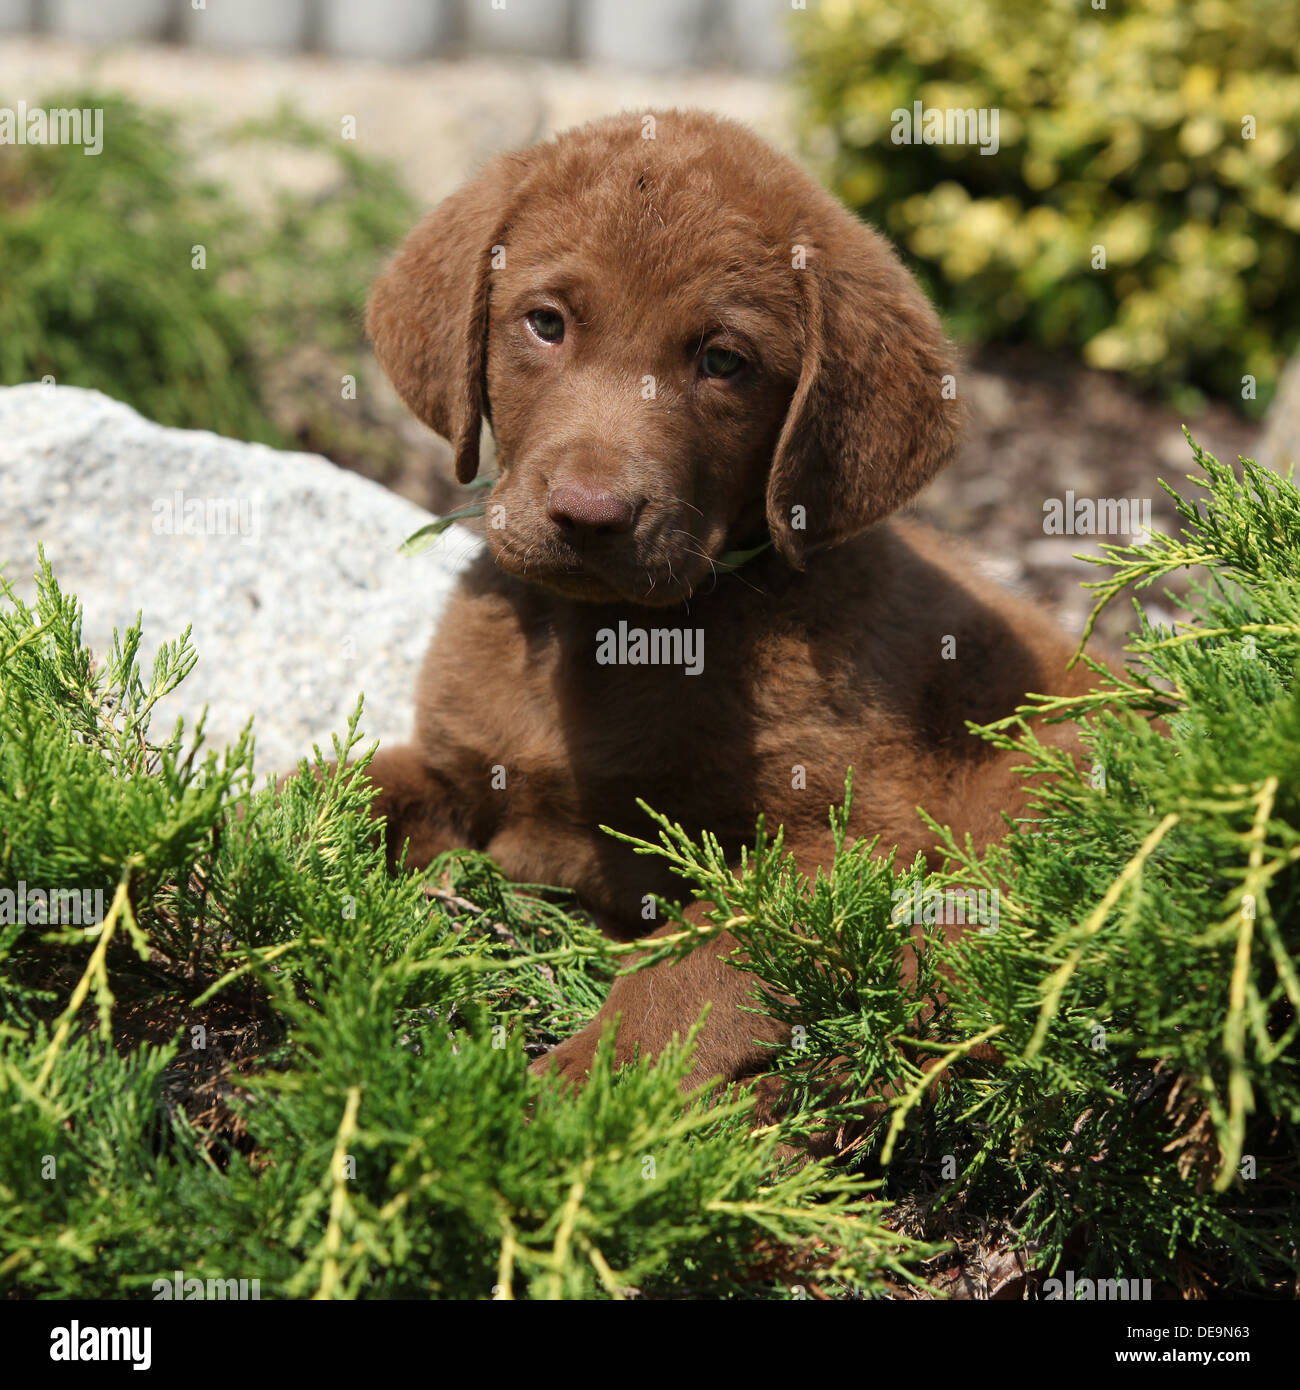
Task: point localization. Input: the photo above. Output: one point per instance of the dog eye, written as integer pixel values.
(721, 362)
(546, 324)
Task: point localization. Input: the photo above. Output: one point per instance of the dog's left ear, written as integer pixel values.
(874, 415)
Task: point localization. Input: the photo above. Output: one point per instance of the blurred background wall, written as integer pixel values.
(667, 34)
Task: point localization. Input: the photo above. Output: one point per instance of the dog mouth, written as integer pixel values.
(651, 581)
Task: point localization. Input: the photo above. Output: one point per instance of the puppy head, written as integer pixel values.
(677, 340)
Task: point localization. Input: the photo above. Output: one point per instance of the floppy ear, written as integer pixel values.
(868, 423)
(428, 311)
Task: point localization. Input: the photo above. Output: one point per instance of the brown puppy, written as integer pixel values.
(683, 345)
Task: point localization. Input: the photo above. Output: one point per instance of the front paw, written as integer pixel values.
(571, 1060)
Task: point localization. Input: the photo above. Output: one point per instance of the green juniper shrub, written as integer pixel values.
(272, 1059)
(305, 1070)
(127, 272)
(1166, 133)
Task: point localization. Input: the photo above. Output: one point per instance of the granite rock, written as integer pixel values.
(285, 565)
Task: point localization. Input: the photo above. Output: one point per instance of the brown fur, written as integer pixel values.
(826, 652)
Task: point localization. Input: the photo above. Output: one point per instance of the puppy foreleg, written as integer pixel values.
(655, 1006)
(413, 803)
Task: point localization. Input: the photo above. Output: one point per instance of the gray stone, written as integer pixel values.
(666, 34)
(757, 33)
(539, 28)
(292, 581)
(242, 25)
(15, 15)
(100, 22)
(390, 29)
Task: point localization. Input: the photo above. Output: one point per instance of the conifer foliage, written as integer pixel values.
(235, 1046)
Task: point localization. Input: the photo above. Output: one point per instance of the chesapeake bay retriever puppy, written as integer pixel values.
(686, 348)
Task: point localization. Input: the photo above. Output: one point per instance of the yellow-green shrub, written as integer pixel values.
(1124, 128)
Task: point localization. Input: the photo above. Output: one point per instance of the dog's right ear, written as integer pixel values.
(428, 311)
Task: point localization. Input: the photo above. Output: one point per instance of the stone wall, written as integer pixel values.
(646, 34)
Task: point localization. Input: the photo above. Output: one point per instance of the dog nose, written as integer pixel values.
(575, 508)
